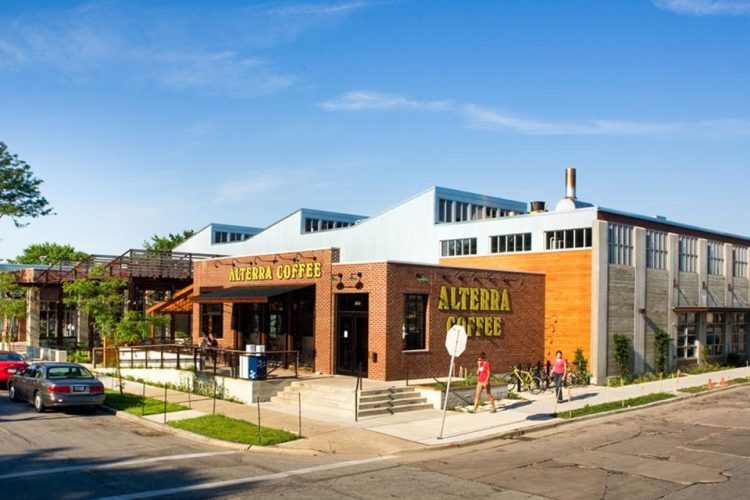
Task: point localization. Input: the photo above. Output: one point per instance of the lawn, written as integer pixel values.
(615, 405)
(232, 429)
(134, 404)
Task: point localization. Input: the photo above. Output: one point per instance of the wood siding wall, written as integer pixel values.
(567, 317)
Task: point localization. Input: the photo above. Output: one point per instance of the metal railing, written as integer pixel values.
(226, 362)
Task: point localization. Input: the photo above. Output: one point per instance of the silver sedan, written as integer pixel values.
(48, 385)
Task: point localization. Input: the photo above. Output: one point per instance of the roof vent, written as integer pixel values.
(570, 202)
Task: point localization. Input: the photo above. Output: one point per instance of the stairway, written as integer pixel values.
(332, 394)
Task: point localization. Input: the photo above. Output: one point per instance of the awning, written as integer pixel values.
(704, 309)
(178, 303)
(246, 294)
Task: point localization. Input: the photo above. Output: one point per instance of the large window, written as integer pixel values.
(715, 258)
(568, 238)
(415, 321)
(48, 319)
(70, 321)
(510, 243)
(620, 245)
(459, 211)
(687, 328)
(221, 237)
(656, 249)
(738, 343)
(688, 254)
(314, 225)
(212, 320)
(464, 246)
(714, 334)
(740, 262)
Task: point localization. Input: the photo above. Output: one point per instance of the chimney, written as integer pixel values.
(570, 183)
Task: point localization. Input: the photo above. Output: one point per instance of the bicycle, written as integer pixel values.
(524, 379)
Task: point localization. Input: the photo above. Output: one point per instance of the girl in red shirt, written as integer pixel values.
(483, 382)
(559, 371)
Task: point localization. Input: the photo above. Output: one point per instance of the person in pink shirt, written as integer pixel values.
(559, 371)
(483, 382)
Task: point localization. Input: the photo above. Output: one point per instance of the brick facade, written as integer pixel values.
(506, 310)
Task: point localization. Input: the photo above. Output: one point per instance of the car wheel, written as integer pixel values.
(12, 393)
(38, 403)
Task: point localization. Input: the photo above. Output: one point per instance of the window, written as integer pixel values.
(739, 334)
(70, 323)
(620, 245)
(656, 249)
(445, 210)
(510, 243)
(212, 320)
(462, 211)
(568, 238)
(715, 258)
(464, 246)
(686, 335)
(415, 321)
(311, 225)
(47, 319)
(714, 334)
(688, 254)
(739, 257)
(221, 237)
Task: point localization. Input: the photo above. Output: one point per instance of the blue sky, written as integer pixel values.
(153, 117)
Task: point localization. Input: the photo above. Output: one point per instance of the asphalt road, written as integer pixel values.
(699, 448)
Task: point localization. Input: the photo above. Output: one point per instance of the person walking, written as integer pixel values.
(483, 382)
(559, 371)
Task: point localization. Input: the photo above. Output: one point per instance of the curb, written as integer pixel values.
(205, 439)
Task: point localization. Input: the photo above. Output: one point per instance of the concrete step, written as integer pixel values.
(392, 404)
(386, 397)
(395, 409)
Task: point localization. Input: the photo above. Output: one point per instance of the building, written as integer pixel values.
(383, 319)
(606, 272)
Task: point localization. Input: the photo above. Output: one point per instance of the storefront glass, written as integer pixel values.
(714, 334)
(686, 335)
(738, 344)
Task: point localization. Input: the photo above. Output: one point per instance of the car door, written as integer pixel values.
(22, 387)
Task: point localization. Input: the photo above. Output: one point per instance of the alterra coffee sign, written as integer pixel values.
(296, 271)
(474, 308)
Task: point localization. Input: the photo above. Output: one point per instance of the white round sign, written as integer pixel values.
(455, 340)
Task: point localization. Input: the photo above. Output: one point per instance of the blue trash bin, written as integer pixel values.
(257, 367)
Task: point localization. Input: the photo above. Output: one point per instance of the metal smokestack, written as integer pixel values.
(570, 183)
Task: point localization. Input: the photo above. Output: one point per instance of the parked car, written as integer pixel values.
(10, 363)
(48, 385)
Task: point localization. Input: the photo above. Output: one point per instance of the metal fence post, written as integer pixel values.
(165, 403)
(260, 435)
(299, 400)
(161, 363)
(178, 357)
(214, 410)
(143, 399)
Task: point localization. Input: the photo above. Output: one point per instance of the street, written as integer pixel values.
(696, 448)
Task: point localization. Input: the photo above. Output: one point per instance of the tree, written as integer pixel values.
(19, 189)
(168, 242)
(49, 253)
(103, 301)
(12, 302)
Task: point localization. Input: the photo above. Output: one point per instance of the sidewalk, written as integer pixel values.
(332, 431)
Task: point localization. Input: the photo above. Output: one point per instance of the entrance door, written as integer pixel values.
(351, 334)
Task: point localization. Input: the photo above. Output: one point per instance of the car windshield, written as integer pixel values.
(10, 356)
(68, 372)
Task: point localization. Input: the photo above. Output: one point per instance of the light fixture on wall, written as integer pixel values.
(423, 278)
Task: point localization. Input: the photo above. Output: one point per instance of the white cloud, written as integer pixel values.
(366, 100)
(705, 7)
(195, 49)
(483, 117)
(314, 9)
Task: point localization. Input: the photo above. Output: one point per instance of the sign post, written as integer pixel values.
(455, 342)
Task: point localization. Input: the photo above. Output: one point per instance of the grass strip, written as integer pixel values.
(703, 388)
(134, 404)
(614, 405)
(232, 429)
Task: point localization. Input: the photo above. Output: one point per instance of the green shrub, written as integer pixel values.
(623, 348)
(661, 343)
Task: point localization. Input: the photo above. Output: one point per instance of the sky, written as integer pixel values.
(149, 117)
